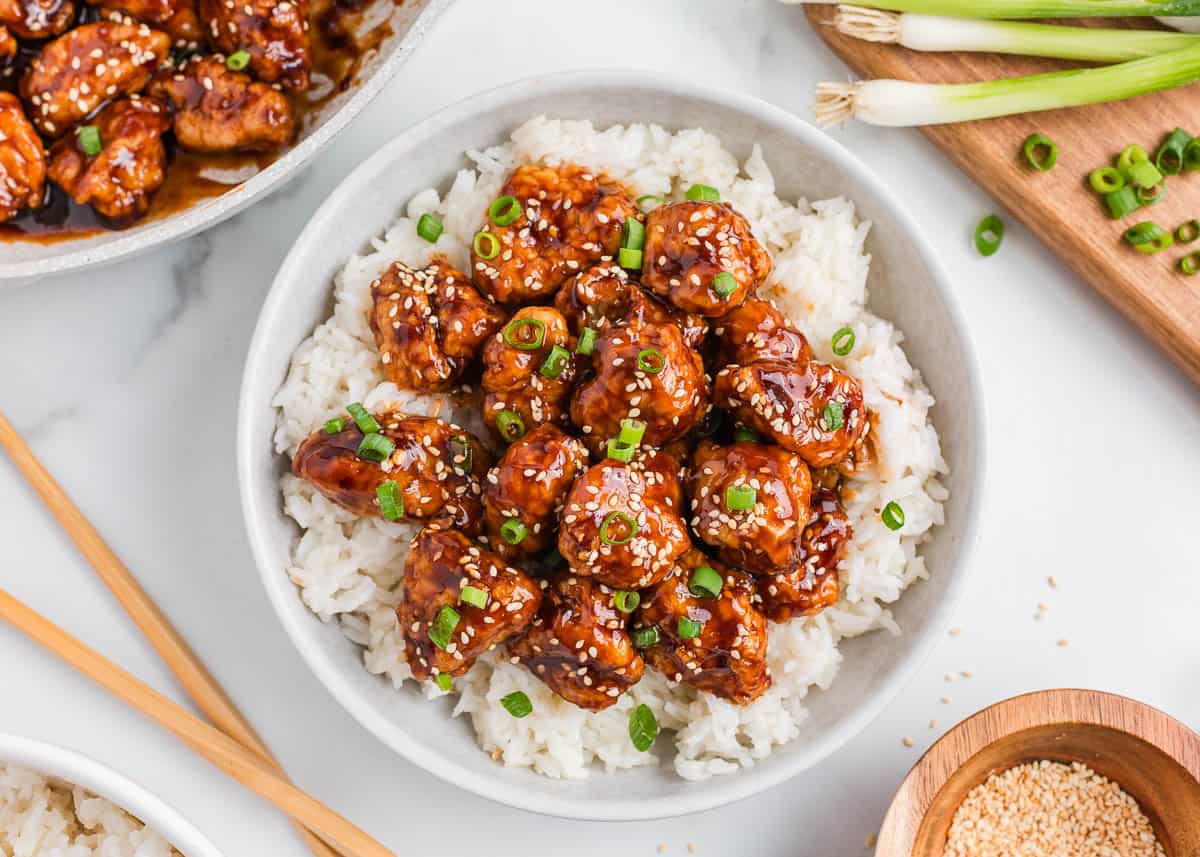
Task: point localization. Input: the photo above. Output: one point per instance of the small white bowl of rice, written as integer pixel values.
(845, 253)
(57, 803)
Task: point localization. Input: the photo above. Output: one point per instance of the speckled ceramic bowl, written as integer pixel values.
(907, 286)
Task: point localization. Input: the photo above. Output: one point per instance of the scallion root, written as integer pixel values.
(870, 25)
(835, 103)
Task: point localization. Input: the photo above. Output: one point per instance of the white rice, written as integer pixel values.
(348, 569)
(44, 817)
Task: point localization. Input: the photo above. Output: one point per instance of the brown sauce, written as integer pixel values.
(340, 45)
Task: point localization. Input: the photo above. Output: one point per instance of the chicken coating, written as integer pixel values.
(176, 18)
(219, 110)
(131, 166)
(514, 380)
(438, 467)
(621, 523)
(444, 632)
(810, 408)
(569, 219)
(36, 19)
(81, 69)
(578, 644)
(718, 645)
(688, 244)
(8, 48)
(757, 330)
(765, 538)
(22, 160)
(529, 486)
(273, 32)
(644, 371)
(813, 584)
(429, 324)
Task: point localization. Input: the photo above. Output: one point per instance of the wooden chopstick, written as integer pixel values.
(244, 765)
(199, 684)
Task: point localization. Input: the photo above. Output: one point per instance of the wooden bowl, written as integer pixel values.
(1151, 755)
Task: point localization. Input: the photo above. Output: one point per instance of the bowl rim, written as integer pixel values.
(99, 779)
(208, 213)
(718, 791)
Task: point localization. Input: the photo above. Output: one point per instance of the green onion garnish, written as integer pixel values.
(587, 341)
(1143, 232)
(635, 234)
(89, 140)
(334, 425)
(843, 341)
(474, 596)
(1151, 195)
(1188, 232)
(739, 498)
(238, 60)
(644, 638)
(443, 626)
(892, 516)
(513, 531)
(444, 682)
(366, 423)
(643, 728)
(626, 601)
(517, 335)
(462, 456)
(1191, 156)
(517, 704)
(1144, 174)
(1041, 152)
(745, 434)
(504, 211)
(1130, 155)
(703, 193)
(630, 260)
(724, 284)
(632, 431)
(1190, 264)
(1157, 244)
(556, 361)
(619, 451)
(988, 235)
(1169, 158)
(651, 361)
(833, 415)
(705, 582)
(485, 245)
(619, 518)
(391, 501)
(1122, 203)
(689, 629)
(429, 228)
(510, 424)
(654, 200)
(375, 447)
(1105, 180)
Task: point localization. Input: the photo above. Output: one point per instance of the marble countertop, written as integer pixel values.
(125, 382)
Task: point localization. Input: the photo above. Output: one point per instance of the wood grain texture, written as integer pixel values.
(1154, 757)
(1058, 206)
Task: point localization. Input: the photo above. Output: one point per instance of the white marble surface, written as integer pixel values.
(125, 380)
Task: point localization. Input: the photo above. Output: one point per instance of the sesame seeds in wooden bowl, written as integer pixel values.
(1145, 754)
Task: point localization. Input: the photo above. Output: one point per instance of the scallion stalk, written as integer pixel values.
(1031, 8)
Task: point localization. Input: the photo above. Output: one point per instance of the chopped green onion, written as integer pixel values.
(391, 501)
(238, 60)
(632, 431)
(619, 451)
(504, 211)
(375, 447)
(1169, 158)
(745, 434)
(654, 199)
(1122, 203)
(833, 416)
(1191, 155)
(556, 361)
(1105, 180)
(643, 728)
(444, 681)
(366, 423)
(644, 638)
(1151, 195)
(724, 284)
(703, 193)
(334, 425)
(1130, 155)
(1041, 152)
(635, 234)
(429, 228)
(843, 341)
(629, 524)
(443, 626)
(474, 596)
(517, 704)
(516, 335)
(510, 424)
(587, 341)
(630, 260)
(1156, 245)
(739, 498)
(988, 235)
(89, 140)
(1188, 232)
(1190, 264)
(486, 245)
(1144, 174)
(689, 629)
(651, 361)
(705, 582)
(513, 531)
(892, 516)
(1143, 232)
(1035, 8)
(626, 601)
(462, 456)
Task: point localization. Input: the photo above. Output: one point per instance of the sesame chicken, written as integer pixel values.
(757, 330)
(694, 248)
(578, 644)
(220, 110)
(36, 19)
(715, 644)
(566, 219)
(8, 46)
(22, 160)
(176, 18)
(444, 628)
(528, 487)
(429, 324)
(812, 585)
(514, 380)
(275, 33)
(437, 466)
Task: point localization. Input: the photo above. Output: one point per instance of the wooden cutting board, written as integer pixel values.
(1058, 206)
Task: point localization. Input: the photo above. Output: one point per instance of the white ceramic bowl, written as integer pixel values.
(907, 285)
(22, 262)
(103, 781)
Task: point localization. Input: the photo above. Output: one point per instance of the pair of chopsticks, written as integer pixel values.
(232, 745)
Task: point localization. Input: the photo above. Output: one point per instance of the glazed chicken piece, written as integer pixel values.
(22, 160)
(757, 330)
(765, 537)
(621, 523)
(519, 394)
(219, 110)
(812, 408)
(715, 644)
(691, 246)
(8, 47)
(36, 19)
(444, 627)
(569, 219)
(437, 466)
(80, 70)
(578, 644)
(131, 165)
(274, 33)
(176, 18)
(429, 324)
(645, 371)
(527, 488)
(813, 584)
